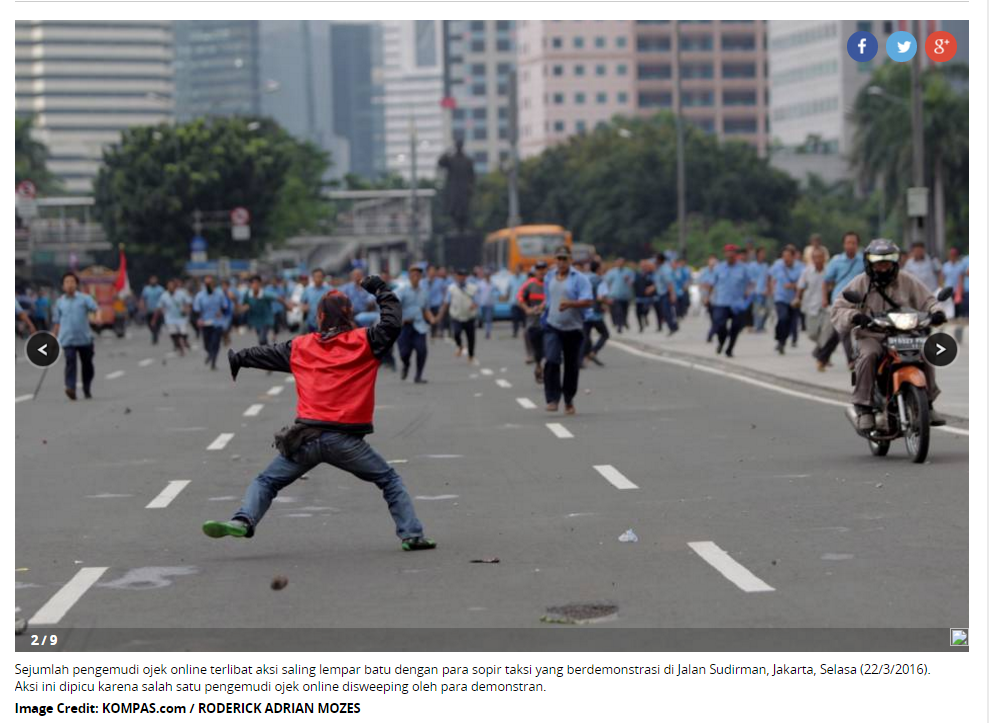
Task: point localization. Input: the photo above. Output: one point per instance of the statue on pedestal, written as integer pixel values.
(459, 185)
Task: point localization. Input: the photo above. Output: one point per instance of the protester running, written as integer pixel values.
(416, 320)
(568, 294)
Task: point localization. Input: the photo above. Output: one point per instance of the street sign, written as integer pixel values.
(917, 202)
(239, 220)
(197, 249)
(27, 189)
(240, 216)
(24, 201)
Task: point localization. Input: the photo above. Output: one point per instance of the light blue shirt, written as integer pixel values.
(706, 278)
(359, 298)
(953, 271)
(681, 279)
(783, 274)
(731, 284)
(211, 306)
(620, 283)
(72, 316)
(487, 293)
(514, 285)
(311, 296)
(150, 295)
(437, 291)
(413, 303)
(573, 287)
(841, 270)
(760, 272)
(663, 277)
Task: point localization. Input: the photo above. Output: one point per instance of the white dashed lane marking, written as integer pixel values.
(723, 563)
(526, 403)
(503, 383)
(487, 372)
(220, 442)
(275, 391)
(52, 612)
(146, 362)
(115, 375)
(615, 477)
(23, 398)
(168, 494)
(290, 379)
(559, 430)
(253, 410)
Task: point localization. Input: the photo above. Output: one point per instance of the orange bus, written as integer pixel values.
(524, 245)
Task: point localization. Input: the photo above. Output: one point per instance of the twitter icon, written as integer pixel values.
(901, 46)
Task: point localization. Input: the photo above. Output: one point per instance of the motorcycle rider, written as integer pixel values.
(883, 288)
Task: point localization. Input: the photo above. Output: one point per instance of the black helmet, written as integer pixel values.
(878, 250)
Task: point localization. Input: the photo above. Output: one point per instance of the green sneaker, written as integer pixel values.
(410, 544)
(228, 528)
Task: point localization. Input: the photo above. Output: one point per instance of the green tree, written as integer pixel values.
(31, 158)
(152, 182)
(883, 151)
(616, 187)
(831, 210)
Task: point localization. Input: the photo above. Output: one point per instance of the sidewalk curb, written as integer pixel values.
(785, 382)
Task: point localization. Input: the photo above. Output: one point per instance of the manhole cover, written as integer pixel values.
(580, 613)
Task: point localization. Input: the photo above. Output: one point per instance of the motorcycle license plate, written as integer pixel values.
(907, 343)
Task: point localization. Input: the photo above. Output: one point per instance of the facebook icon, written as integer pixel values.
(863, 46)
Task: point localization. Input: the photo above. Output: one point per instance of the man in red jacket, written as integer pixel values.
(335, 370)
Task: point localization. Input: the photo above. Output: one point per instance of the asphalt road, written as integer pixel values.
(793, 523)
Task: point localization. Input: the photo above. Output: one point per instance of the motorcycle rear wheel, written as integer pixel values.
(918, 432)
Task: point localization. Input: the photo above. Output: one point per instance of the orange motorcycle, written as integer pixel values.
(899, 395)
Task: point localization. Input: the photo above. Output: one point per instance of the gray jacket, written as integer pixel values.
(906, 290)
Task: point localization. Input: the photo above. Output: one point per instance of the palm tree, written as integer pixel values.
(883, 152)
(31, 157)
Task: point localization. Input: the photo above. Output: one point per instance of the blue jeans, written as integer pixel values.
(348, 452)
(487, 320)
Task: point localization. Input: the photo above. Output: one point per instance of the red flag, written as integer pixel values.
(122, 284)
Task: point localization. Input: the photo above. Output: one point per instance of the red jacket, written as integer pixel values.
(334, 373)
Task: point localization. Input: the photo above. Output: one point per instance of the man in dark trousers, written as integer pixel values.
(335, 369)
(568, 295)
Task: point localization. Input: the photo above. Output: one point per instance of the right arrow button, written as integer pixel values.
(940, 349)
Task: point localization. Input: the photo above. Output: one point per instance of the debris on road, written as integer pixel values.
(279, 582)
(628, 536)
(487, 560)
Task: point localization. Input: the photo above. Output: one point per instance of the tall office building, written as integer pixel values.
(217, 68)
(814, 82)
(358, 115)
(574, 75)
(275, 68)
(84, 82)
(479, 56)
(413, 89)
